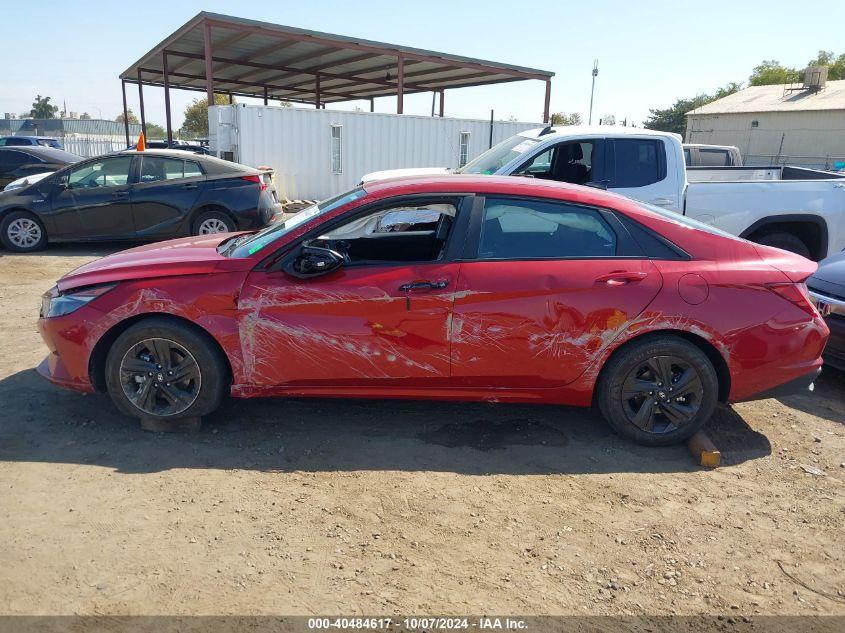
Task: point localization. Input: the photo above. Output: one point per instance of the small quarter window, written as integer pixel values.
(337, 149)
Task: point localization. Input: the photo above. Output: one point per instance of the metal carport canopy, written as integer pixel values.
(235, 56)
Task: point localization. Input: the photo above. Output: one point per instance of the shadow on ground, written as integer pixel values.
(42, 423)
(825, 401)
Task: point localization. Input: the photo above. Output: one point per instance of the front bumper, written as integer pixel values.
(66, 337)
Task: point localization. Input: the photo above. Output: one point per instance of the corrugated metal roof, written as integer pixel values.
(251, 56)
(60, 127)
(776, 99)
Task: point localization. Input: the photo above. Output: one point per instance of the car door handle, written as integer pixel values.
(662, 202)
(190, 185)
(415, 286)
(621, 277)
(120, 194)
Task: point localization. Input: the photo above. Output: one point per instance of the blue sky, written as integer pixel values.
(650, 53)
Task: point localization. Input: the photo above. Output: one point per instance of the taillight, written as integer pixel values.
(796, 294)
(256, 179)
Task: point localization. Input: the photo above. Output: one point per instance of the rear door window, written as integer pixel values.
(192, 169)
(157, 168)
(714, 158)
(637, 162)
(532, 229)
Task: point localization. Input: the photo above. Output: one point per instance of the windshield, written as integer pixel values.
(251, 243)
(497, 157)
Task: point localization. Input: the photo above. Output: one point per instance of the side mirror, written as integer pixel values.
(61, 182)
(312, 261)
(598, 184)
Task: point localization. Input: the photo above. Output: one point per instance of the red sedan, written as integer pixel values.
(455, 287)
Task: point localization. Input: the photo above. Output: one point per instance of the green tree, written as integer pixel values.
(129, 115)
(835, 65)
(155, 131)
(608, 119)
(42, 109)
(673, 118)
(196, 117)
(770, 71)
(562, 118)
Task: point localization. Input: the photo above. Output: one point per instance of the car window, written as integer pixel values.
(108, 172)
(714, 157)
(156, 168)
(530, 229)
(564, 162)
(192, 169)
(411, 232)
(10, 159)
(687, 156)
(637, 162)
(17, 142)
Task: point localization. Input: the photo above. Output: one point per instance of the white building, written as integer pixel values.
(317, 154)
(801, 124)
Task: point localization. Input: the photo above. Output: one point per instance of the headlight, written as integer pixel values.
(56, 304)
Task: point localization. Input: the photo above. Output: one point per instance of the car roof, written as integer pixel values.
(38, 138)
(47, 153)
(212, 164)
(568, 131)
(502, 185)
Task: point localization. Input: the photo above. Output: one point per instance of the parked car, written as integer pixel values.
(132, 195)
(698, 155)
(30, 141)
(794, 208)
(827, 289)
(20, 162)
(27, 180)
(457, 288)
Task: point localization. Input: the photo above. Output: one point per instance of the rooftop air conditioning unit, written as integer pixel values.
(815, 78)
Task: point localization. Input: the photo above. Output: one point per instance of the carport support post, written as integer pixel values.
(125, 111)
(442, 98)
(547, 101)
(167, 120)
(317, 91)
(265, 95)
(372, 105)
(400, 86)
(141, 99)
(209, 66)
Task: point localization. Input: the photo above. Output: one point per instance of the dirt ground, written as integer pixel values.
(354, 507)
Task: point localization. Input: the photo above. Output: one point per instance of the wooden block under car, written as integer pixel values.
(704, 451)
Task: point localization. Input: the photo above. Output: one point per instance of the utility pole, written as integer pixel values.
(593, 89)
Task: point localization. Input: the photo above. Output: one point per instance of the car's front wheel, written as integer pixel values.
(22, 232)
(658, 391)
(161, 369)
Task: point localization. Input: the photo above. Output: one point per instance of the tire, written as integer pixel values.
(786, 241)
(210, 222)
(138, 381)
(22, 232)
(676, 416)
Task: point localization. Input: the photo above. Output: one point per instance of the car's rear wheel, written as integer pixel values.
(658, 391)
(161, 369)
(22, 232)
(211, 222)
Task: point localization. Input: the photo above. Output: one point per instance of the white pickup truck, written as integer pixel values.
(797, 209)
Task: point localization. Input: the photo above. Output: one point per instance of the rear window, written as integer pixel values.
(714, 158)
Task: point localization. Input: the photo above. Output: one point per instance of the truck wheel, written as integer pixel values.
(163, 370)
(658, 390)
(22, 232)
(786, 241)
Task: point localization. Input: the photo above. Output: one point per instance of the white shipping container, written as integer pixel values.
(320, 153)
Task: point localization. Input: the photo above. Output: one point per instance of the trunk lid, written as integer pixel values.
(796, 268)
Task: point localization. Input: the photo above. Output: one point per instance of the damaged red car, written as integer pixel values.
(454, 287)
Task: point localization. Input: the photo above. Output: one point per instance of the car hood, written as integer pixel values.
(401, 173)
(185, 256)
(832, 270)
(27, 180)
